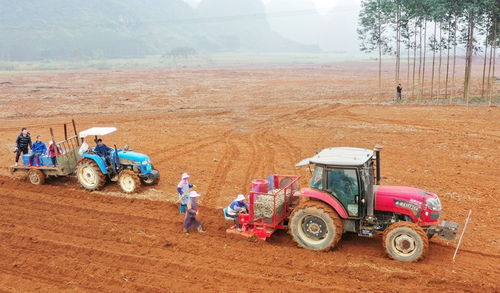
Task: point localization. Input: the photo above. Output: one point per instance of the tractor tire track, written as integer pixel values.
(231, 153)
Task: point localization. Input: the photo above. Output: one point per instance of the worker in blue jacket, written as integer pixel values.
(39, 148)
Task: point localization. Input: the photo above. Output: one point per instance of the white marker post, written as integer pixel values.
(462, 235)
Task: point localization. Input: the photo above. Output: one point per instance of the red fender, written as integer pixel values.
(324, 197)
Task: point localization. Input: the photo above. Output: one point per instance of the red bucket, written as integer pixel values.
(260, 185)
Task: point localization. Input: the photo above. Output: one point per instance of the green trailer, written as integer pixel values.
(66, 160)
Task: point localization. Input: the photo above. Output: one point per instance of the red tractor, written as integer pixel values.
(345, 196)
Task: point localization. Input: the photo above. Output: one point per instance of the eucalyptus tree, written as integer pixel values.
(373, 30)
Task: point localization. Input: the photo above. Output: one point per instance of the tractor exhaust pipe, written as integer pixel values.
(377, 149)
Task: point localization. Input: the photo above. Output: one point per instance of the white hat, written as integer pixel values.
(185, 175)
(193, 193)
(51, 142)
(240, 197)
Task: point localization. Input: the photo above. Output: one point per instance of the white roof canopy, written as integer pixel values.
(99, 131)
(340, 156)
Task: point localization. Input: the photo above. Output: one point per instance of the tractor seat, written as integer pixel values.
(226, 215)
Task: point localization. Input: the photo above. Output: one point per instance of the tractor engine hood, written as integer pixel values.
(133, 156)
(392, 198)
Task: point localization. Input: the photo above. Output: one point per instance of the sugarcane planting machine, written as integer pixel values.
(345, 196)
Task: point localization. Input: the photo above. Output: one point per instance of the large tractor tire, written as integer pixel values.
(151, 182)
(315, 225)
(405, 241)
(36, 177)
(89, 175)
(129, 181)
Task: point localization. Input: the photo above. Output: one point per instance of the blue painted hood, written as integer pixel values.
(133, 156)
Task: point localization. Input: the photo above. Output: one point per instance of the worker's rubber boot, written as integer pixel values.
(201, 229)
(185, 231)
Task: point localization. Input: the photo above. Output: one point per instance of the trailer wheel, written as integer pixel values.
(405, 241)
(151, 182)
(36, 177)
(89, 175)
(129, 181)
(315, 225)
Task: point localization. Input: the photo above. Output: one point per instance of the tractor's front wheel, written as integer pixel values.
(129, 181)
(315, 225)
(89, 175)
(405, 241)
(36, 177)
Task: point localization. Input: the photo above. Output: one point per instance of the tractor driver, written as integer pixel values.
(103, 151)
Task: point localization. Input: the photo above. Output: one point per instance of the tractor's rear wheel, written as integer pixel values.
(405, 241)
(150, 182)
(36, 177)
(315, 225)
(129, 181)
(89, 175)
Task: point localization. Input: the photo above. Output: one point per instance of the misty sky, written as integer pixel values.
(332, 27)
(323, 6)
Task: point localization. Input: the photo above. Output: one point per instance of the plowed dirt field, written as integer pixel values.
(225, 127)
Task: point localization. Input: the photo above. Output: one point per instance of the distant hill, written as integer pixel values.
(75, 29)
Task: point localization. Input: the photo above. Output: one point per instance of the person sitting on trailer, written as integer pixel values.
(39, 149)
(236, 207)
(83, 148)
(103, 151)
(23, 141)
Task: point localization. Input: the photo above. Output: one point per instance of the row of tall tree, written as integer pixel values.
(437, 29)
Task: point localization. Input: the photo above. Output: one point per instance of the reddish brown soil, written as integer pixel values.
(226, 127)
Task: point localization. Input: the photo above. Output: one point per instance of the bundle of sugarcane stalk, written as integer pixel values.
(264, 205)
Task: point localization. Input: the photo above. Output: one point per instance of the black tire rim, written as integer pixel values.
(314, 227)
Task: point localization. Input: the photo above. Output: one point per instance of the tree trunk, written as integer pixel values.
(379, 53)
(468, 58)
(440, 60)
(491, 86)
(433, 60)
(423, 62)
(454, 57)
(419, 61)
(414, 62)
(484, 67)
(447, 67)
(398, 45)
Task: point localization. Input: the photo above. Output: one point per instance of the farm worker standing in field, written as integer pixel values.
(399, 93)
(237, 206)
(23, 141)
(191, 213)
(39, 148)
(83, 148)
(103, 151)
(183, 190)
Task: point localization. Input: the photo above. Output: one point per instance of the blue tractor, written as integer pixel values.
(130, 169)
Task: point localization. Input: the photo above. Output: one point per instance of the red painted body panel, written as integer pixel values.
(386, 197)
(325, 197)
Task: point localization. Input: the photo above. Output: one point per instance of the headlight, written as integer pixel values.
(434, 204)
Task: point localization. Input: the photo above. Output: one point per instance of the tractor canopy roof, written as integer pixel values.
(97, 131)
(339, 156)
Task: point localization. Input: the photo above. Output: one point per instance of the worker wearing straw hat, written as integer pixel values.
(183, 190)
(190, 220)
(237, 206)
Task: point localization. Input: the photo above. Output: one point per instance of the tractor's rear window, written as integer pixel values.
(317, 179)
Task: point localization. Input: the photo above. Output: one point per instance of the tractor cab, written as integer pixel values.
(345, 173)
